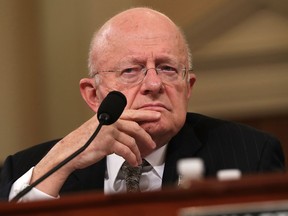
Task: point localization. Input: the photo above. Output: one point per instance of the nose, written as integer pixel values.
(152, 83)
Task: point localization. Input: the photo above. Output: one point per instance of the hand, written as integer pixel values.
(125, 138)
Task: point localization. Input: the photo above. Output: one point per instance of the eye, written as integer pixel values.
(167, 69)
(131, 70)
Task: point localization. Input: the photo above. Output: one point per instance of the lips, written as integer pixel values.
(154, 106)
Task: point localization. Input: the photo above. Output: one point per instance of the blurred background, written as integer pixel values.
(240, 52)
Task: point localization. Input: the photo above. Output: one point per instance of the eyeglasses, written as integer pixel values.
(136, 74)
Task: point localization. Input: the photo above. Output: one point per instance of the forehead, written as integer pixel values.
(147, 36)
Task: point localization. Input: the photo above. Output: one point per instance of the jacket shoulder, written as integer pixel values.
(230, 144)
(205, 125)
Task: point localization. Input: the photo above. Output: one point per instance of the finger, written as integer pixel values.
(130, 143)
(126, 152)
(143, 140)
(140, 116)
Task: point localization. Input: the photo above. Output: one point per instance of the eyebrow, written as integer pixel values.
(143, 60)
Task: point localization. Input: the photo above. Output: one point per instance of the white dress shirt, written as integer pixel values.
(33, 194)
(151, 179)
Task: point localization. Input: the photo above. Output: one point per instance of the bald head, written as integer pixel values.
(133, 24)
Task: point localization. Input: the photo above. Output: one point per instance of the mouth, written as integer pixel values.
(154, 106)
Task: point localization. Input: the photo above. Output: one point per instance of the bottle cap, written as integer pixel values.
(229, 174)
(190, 168)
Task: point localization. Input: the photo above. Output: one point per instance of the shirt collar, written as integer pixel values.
(155, 159)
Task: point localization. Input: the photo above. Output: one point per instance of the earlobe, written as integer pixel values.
(88, 92)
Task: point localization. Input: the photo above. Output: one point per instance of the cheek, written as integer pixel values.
(130, 95)
(179, 102)
(178, 96)
(108, 82)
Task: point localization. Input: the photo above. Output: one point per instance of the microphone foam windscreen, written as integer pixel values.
(113, 106)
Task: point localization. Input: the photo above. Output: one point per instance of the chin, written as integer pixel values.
(150, 126)
(157, 130)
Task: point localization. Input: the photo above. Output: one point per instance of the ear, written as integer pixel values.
(190, 83)
(88, 91)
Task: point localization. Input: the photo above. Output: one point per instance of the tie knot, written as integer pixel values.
(132, 175)
(128, 170)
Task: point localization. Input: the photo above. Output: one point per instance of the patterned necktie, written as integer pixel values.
(132, 176)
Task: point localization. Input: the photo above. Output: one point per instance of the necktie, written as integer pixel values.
(132, 176)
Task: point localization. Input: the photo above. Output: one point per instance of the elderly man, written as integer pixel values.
(143, 54)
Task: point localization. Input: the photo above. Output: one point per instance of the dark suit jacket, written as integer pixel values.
(221, 145)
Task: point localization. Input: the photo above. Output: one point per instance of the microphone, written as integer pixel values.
(111, 108)
(108, 112)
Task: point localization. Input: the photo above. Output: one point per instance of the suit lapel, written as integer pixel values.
(184, 145)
